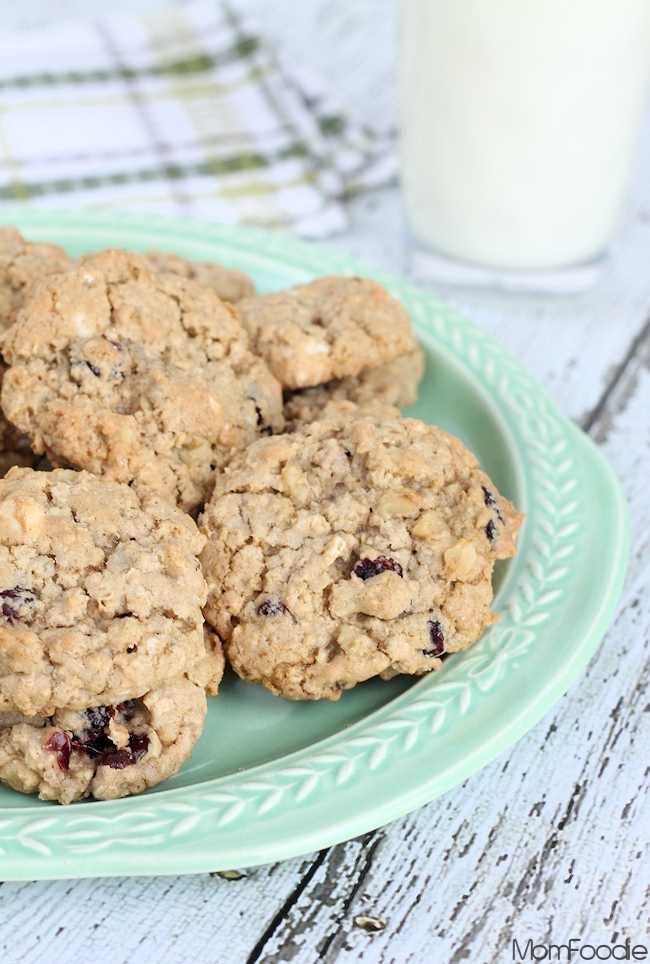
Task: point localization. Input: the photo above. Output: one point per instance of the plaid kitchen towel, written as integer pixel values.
(190, 111)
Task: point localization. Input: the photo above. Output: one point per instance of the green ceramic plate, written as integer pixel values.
(271, 779)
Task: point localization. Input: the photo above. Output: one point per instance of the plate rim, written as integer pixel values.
(200, 827)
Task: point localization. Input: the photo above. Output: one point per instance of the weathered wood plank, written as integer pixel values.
(144, 918)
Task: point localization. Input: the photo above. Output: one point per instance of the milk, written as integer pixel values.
(519, 122)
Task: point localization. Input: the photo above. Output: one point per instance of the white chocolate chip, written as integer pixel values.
(429, 524)
(28, 515)
(118, 733)
(398, 504)
(318, 348)
(296, 482)
(460, 558)
(81, 325)
(335, 547)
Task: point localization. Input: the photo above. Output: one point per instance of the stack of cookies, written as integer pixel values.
(104, 656)
(336, 540)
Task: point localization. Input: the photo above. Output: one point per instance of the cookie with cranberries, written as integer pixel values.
(105, 751)
(100, 592)
(350, 549)
(144, 378)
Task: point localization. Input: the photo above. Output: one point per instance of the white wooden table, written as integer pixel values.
(550, 841)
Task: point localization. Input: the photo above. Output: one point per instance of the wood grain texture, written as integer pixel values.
(144, 918)
(551, 840)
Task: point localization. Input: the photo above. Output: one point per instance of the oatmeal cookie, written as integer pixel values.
(100, 592)
(231, 285)
(145, 379)
(379, 391)
(347, 550)
(333, 327)
(22, 265)
(105, 751)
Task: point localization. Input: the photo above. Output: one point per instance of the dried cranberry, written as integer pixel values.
(273, 607)
(95, 746)
(490, 500)
(21, 598)
(367, 568)
(490, 530)
(80, 366)
(60, 743)
(97, 717)
(264, 429)
(487, 495)
(93, 740)
(437, 637)
(16, 593)
(10, 613)
(127, 709)
(126, 757)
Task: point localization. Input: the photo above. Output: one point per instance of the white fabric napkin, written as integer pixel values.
(190, 111)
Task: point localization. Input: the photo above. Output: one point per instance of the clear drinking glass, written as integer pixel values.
(519, 124)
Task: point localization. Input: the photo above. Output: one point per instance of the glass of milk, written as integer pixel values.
(519, 124)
